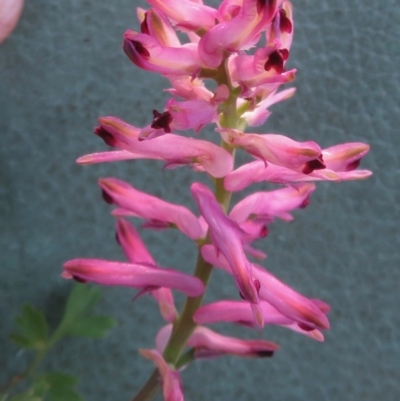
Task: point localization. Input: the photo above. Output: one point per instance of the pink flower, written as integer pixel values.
(136, 252)
(173, 149)
(264, 206)
(171, 382)
(239, 312)
(277, 149)
(226, 237)
(147, 53)
(187, 14)
(341, 163)
(135, 275)
(287, 301)
(150, 207)
(10, 12)
(241, 31)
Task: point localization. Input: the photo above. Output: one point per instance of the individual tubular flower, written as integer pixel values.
(280, 32)
(239, 312)
(287, 301)
(10, 12)
(173, 149)
(266, 66)
(171, 382)
(277, 149)
(135, 275)
(226, 237)
(264, 206)
(136, 252)
(147, 53)
(150, 207)
(341, 164)
(240, 32)
(208, 344)
(187, 15)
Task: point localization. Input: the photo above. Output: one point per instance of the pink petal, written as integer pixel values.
(136, 252)
(187, 14)
(345, 157)
(257, 172)
(110, 156)
(174, 149)
(240, 312)
(290, 303)
(148, 54)
(150, 207)
(240, 32)
(171, 382)
(189, 88)
(264, 206)
(277, 149)
(155, 24)
(136, 275)
(226, 237)
(208, 344)
(10, 12)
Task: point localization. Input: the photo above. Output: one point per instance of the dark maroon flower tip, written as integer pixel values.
(276, 60)
(306, 327)
(162, 121)
(79, 280)
(285, 25)
(257, 285)
(132, 46)
(353, 165)
(264, 232)
(316, 164)
(105, 136)
(264, 353)
(106, 197)
(305, 203)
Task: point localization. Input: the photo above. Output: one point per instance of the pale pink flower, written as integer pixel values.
(135, 275)
(226, 237)
(280, 32)
(150, 207)
(171, 382)
(10, 12)
(136, 252)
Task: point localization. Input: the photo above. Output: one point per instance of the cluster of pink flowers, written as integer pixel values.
(222, 48)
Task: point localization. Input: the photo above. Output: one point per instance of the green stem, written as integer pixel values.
(149, 389)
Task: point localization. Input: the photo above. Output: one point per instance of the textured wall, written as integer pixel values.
(63, 67)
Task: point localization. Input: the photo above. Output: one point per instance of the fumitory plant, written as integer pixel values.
(226, 74)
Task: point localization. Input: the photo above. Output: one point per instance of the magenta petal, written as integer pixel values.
(147, 53)
(264, 206)
(208, 344)
(171, 382)
(150, 207)
(111, 156)
(136, 252)
(134, 275)
(174, 149)
(226, 237)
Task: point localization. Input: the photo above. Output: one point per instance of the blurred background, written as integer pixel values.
(63, 67)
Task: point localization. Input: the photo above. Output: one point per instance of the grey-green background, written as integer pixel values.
(63, 67)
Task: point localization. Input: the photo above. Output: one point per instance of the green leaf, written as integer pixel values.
(32, 327)
(60, 387)
(92, 327)
(81, 301)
